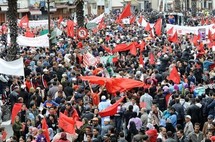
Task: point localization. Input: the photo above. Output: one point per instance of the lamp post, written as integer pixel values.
(49, 23)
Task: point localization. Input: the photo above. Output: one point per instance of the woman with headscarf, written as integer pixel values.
(63, 138)
(51, 133)
(131, 131)
(17, 127)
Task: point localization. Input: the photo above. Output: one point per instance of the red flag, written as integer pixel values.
(174, 38)
(101, 26)
(66, 123)
(45, 129)
(78, 124)
(210, 37)
(126, 12)
(151, 59)
(70, 28)
(115, 59)
(118, 21)
(24, 21)
(140, 20)
(141, 59)
(107, 49)
(158, 26)
(148, 27)
(196, 38)
(201, 49)
(112, 109)
(121, 47)
(174, 76)
(28, 33)
(133, 49)
(152, 35)
(96, 99)
(170, 31)
(132, 20)
(60, 19)
(16, 108)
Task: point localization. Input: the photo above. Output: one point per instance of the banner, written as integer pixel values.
(15, 67)
(97, 19)
(40, 41)
(37, 23)
(182, 30)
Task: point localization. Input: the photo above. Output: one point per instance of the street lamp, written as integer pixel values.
(49, 23)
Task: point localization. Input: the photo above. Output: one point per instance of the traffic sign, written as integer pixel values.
(82, 33)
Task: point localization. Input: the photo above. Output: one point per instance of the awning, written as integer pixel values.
(61, 6)
(22, 10)
(4, 8)
(36, 12)
(53, 9)
(72, 7)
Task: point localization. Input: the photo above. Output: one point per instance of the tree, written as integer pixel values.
(12, 19)
(80, 12)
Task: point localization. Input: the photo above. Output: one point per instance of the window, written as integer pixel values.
(94, 5)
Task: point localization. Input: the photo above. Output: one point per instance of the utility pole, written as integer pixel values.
(49, 23)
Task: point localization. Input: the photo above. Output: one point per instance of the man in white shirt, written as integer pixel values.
(188, 125)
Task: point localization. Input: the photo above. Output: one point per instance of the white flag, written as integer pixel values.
(97, 19)
(15, 67)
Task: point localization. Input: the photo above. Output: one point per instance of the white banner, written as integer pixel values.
(194, 30)
(97, 19)
(40, 41)
(37, 23)
(15, 67)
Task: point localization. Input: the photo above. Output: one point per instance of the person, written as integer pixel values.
(170, 137)
(17, 127)
(140, 136)
(162, 134)
(131, 131)
(180, 111)
(208, 136)
(196, 135)
(103, 105)
(195, 112)
(180, 137)
(96, 135)
(208, 124)
(154, 116)
(173, 116)
(136, 120)
(147, 99)
(106, 126)
(63, 138)
(188, 128)
(122, 137)
(41, 137)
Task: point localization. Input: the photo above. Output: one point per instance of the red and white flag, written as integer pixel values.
(89, 60)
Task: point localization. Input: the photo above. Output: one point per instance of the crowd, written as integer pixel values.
(161, 110)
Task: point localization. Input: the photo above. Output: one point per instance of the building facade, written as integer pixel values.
(37, 9)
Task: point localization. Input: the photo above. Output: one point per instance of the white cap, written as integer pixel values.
(45, 70)
(188, 116)
(23, 86)
(103, 98)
